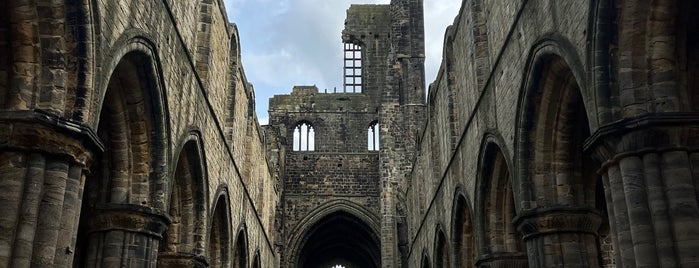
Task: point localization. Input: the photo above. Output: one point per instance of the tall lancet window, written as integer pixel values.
(353, 68)
(373, 136)
(304, 137)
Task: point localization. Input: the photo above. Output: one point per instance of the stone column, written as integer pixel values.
(561, 236)
(42, 164)
(125, 235)
(651, 182)
(503, 260)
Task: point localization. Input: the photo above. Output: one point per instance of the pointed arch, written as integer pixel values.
(240, 255)
(501, 244)
(219, 242)
(129, 176)
(185, 239)
(441, 248)
(561, 177)
(425, 263)
(463, 237)
(256, 260)
(339, 230)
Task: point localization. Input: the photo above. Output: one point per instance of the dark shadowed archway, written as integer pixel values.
(340, 239)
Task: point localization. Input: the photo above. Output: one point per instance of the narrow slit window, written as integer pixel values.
(353, 68)
(304, 137)
(373, 137)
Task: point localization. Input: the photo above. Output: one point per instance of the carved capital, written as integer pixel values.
(181, 260)
(542, 221)
(503, 260)
(645, 133)
(37, 130)
(130, 218)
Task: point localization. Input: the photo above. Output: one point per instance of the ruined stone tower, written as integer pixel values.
(343, 155)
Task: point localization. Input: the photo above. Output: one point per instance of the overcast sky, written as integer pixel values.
(297, 42)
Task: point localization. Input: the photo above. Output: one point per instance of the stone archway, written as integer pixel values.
(183, 243)
(240, 255)
(340, 238)
(564, 184)
(122, 217)
(502, 244)
(219, 243)
(441, 253)
(462, 234)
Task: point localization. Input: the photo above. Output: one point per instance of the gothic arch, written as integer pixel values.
(425, 263)
(240, 255)
(256, 260)
(127, 179)
(184, 240)
(219, 241)
(441, 248)
(551, 57)
(500, 243)
(462, 235)
(553, 126)
(334, 221)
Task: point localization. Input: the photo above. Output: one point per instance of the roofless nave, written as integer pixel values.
(556, 134)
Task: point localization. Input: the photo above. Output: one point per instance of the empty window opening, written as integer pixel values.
(304, 137)
(373, 137)
(353, 68)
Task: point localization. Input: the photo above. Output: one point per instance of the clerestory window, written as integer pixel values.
(304, 137)
(373, 137)
(353, 68)
(338, 266)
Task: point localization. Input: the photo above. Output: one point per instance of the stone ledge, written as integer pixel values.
(181, 260)
(38, 130)
(130, 218)
(503, 260)
(543, 221)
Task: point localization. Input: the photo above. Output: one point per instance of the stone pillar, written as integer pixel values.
(181, 260)
(561, 236)
(503, 260)
(125, 235)
(42, 164)
(651, 182)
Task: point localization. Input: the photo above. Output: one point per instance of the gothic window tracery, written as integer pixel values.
(304, 137)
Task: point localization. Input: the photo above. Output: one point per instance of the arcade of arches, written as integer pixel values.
(556, 134)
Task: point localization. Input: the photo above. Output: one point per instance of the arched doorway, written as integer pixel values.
(340, 238)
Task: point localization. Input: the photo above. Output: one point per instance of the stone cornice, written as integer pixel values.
(42, 131)
(503, 260)
(130, 218)
(179, 259)
(542, 221)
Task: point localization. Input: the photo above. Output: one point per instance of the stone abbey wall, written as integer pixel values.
(129, 138)
(548, 140)
(557, 133)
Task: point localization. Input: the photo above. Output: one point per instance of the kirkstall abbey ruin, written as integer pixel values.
(556, 134)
